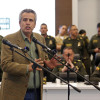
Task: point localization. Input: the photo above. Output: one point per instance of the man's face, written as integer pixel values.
(43, 29)
(68, 54)
(27, 23)
(98, 31)
(74, 31)
(63, 30)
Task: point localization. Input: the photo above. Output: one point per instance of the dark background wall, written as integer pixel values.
(63, 16)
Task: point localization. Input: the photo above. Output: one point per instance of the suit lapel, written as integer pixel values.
(39, 48)
(20, 42)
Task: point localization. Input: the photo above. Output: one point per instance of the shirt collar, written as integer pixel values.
(24, 37)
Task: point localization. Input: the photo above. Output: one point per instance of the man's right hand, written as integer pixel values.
(96, 50)
(39, 61)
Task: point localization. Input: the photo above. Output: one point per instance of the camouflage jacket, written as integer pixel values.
(77, 64)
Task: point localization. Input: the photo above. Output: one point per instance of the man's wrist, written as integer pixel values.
(47, 67)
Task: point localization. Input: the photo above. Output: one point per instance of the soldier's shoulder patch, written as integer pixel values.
(48, 36)
(77, 67)
(97, 68)
(51, 37)
(74, 62)
(79, 60)
(68, 38)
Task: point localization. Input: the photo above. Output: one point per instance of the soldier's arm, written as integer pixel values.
(91, 47)
(81, 70)
(87, 43)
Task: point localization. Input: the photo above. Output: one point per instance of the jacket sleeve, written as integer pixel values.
(10, 62)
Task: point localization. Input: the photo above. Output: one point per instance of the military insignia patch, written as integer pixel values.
(87, 40)
(79, 44)
(95, 41)
(50, 42)
(97, 68)
(68, 45)
(60, 69)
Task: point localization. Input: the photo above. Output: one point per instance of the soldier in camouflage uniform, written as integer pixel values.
(74, 41)
(50, 41)
(86, 56)
(60, 37)
(94, 46)
(77, 66)
(0, 58)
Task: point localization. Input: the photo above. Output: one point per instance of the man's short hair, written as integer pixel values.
(44, 24)
(82, 31)
(27, 11)
(70, 27)
(98, 25)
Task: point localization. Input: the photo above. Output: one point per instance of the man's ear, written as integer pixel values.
(19, 23)
(35, 25)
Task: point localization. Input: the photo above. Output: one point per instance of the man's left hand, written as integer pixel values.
(52, 63)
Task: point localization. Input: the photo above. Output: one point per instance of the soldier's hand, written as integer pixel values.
(64, 68)
(70, 63)
(96, 50)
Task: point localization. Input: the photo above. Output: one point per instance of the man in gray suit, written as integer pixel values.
(17, 80)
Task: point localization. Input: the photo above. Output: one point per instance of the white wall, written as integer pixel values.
(45, 10)
(75, 12)
(88, 14)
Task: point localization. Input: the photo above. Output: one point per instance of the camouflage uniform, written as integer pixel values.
(0, 57)
(96, 75)
(59, 41)
(78, 65)
(77, 45)
(51, 43)
(94, 43)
